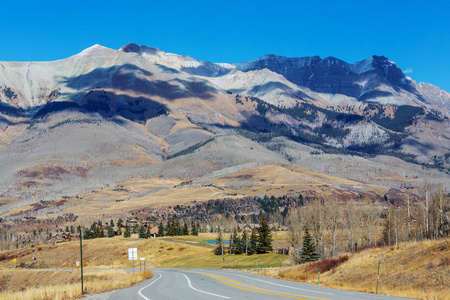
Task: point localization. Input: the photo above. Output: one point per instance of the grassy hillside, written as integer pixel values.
(140, 193)
(415, 270)
(113, 253)
(40, 279)
(418, 270)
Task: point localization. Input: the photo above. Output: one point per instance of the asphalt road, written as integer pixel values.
(201, 284)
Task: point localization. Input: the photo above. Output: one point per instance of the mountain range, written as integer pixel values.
(104, 115)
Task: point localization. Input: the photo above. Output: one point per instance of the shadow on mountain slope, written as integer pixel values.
(167, 69)
(423, 148)
(12, 111)
(272, 85)
(109, 105)
(130, 78)
(132, 88)
(373, 95)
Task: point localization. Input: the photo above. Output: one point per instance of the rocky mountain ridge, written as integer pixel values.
(139, 110)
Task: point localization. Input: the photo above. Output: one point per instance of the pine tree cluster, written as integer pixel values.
(259, 242)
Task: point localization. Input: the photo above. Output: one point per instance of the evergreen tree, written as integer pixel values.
(168, 228)
(119, 232)
(177, 228)
(219, 249)
(72, 229)
(264, 236)
(161, 229)
(172, 227)
(111, 232)
(142, 232)
(120, 221)
(127, 232)
(87, 234)
(111, 224)
(253, 244)
(240, 247)
(67, 229)
(185, 230)
(95, 228)
(236, 247)
(309, 252)
(194, 229)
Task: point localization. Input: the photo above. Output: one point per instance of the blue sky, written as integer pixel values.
(414, 34)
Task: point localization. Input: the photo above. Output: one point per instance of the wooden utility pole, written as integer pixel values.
(409, 219)
(378, 275)
(81, 259)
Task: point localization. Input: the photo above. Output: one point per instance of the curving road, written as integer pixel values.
(202, 284)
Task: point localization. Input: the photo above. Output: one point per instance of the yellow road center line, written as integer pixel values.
(255, 289)
(264, 289)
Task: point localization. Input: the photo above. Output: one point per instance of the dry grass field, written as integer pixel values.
(419, 270)
(54, 275)
(97, 253)
(287, 180)
(54, 285)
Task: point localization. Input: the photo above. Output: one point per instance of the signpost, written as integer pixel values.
(259, 264)
(279, 273)
(132, 255)
(142, 259)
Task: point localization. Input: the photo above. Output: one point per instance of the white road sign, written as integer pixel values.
(132, 253)
(78, 263)
(142, 258)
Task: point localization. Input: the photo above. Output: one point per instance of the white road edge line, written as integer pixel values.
(190, 285)
(140, 291)
(286, 286)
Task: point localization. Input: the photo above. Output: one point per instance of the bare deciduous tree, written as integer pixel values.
(294, 224)
(275, 218)
(333, 215)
